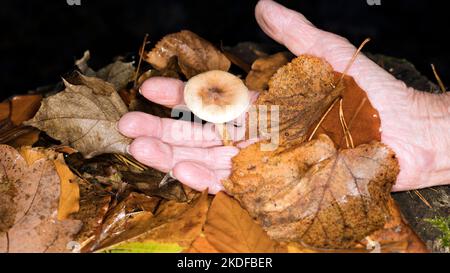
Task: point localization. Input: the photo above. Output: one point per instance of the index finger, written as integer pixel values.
(164, 91)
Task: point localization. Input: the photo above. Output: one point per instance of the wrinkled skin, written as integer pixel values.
(414, 124)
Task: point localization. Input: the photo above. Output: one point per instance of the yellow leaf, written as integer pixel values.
(70, 192)
(147, 247)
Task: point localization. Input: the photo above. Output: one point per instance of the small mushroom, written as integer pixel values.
(218, 97)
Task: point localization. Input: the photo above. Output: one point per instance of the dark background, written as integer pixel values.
(41, 39)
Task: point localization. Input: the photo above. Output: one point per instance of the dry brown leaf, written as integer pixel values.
(303, 89)
(201, 245)
(314, 194)
(4, 110)
(229, 228)
(118, 73)
(30, 191)
(192, 53)
(172, 223)
(264, 68)
(362, 119)
(20, 108)
(17, 136)
(396, 235)
(94, 204)
(24, 107)
(84, 116)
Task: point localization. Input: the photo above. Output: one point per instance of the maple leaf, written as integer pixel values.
(313, 193)
(192, 53)
(84, 116)
(29, 200)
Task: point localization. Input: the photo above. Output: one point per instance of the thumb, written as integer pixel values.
(300, 36)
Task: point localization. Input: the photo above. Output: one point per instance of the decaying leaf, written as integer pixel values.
(229, 228)
(362, 119)
(172, 223)
(24, 107)
(264, 68)
(84, 116)
(94, 204)
(30, 192)
(118, 73)
(13, 112)
(201, 245)
(303, 89)
(313, 193)
(192, 53)
(69, 198)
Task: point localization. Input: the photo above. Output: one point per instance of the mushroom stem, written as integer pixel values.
(224, 135)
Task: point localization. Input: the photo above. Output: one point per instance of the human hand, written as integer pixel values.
(192, 152)
(414, 124)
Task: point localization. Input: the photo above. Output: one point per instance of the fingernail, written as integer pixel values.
(128, 149)
(117, 126)
(140, 91)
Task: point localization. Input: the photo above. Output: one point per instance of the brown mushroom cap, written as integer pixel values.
(216, 96)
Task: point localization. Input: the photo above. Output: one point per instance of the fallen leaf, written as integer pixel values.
(84, 116)
(172, 223)
(229, 228)
(245, 53)
(362, 119)
(94, 204)
(118, 73)
(396, 235)
(303, 89)
(4, 110)
(264, 68)
(30, 191)
(147, 247)
(201, 245)
(24, 107)
(148, 182)
(69, 197)
(192, 53)
(17, 136)
(314, 194)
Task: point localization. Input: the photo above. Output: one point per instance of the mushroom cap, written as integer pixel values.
(216, 96)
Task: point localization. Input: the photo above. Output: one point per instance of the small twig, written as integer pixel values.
(141, 54)
(130, 162)
(349, 138)
(438, 79)
(347, 135)
(166, 179)
(323, 118)
(421, 197)
(352, 60)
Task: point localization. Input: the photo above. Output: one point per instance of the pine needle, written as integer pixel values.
(141, 56)
(438, 79)
(422, 198)
(347, 135)
(323, 118)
